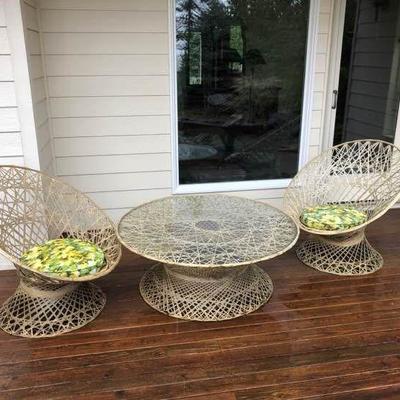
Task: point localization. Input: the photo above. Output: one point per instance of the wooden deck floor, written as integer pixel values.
(319, 337)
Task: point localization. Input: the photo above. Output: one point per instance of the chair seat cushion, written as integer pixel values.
(332, 217)
(72, 258)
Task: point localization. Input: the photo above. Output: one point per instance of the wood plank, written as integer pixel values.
(7, 98)
(2, 15)
(41, 113)
(311, 389)
(4, 43)
(33, 43)
(9, 120)
(123, 181)
(81, 21)
(43, 135)
(107, 64)
(108, 86)
(322, 43)
(123, 5)
(46, 156)
(196, 366)
(6, 72)
(30, 17)
(112, 145)
(11, 145)
(109, 106)
(38, 90)
(125, 199)
(114, 164)
(35, 67)
(105, 43)
(12, 161)
(110, 126)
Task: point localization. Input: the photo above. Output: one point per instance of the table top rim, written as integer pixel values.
(133, 249)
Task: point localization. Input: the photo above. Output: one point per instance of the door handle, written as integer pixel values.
(334, 102)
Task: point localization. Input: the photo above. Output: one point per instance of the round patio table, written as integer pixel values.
(207, 247)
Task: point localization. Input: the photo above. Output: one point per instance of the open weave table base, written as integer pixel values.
(355, 259)
(50, 310)
(206, 294)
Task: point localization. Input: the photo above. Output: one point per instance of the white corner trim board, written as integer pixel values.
(15, 30)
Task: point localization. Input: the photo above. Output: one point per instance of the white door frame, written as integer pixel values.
(333, 71)
(309, 77)
(335, 56)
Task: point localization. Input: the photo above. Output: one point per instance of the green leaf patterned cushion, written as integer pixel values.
(70, 258)
(332, 217)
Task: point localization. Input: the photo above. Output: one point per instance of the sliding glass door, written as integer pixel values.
(240, 77)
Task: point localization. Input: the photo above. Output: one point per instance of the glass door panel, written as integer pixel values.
(369, 82)
(240, 76)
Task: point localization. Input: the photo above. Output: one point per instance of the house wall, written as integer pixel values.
(37, 80)
(372, 73)
(108, 79)
(11, 151)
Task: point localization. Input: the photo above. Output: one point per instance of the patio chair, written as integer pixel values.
(364, 175)
(35, 208)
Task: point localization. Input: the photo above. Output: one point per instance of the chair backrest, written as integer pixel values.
(35, 208)
(363, 173)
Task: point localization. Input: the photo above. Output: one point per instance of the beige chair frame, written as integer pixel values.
(364, 174)
(34, 208)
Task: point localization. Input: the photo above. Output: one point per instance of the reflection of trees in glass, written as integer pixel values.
(240, 84)
(231, 32)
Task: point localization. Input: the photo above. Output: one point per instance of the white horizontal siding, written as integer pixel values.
(4, 43)
(6, 72)
(108, 86)
(109, 107)
(10, 144)
(109, 164)
(120, 181)
(110, 64)
(107, 126)
(8, 97)
(112, 145)
(114, 5)
(106, 43)
(103, 21)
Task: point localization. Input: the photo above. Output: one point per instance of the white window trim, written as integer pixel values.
(305, 121)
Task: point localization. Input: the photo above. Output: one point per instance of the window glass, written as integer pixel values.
(240, 76)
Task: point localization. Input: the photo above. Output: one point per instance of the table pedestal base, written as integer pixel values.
(206, 294)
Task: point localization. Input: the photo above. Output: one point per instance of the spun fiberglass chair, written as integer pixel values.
(35, 208)
(361, 176)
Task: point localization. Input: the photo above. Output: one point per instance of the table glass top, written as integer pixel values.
(207, 230)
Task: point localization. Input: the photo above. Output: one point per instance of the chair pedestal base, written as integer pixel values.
(46, 309)
(340, 255)
(206, 294)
